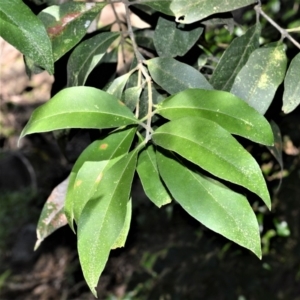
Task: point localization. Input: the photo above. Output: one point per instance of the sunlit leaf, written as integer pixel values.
(103, 218)
(171, 40)
(259, 79)
(227, 110)
(52, 216)
(150, 179)
(67, 23)
(291, 95)
(112, 146)
(79, 107)
(211, 203)
(87, 55)
(211, 147)
(234, 58)
(22, 29)
(174, 76)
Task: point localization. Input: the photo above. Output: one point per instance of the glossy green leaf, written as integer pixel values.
(132, 97)
(112, 146)
(121, 239)
(22, 29)
(211, 147)
(79, 107)
(291, 95)
(67, 23)
(227, 110)
(52, 216)
(150, 179)
(194, 10)
(174, 76)
(234, 58)
(211, 203)
(259, 79)
(103, 218)
(117, 86)
(87, 55)
(170, 40)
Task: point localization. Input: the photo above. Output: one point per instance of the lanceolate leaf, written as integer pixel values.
(22, 29)
(79, 107)
(87, 55)
(234, 58)
(291, 95)
(103, 218)
(132, 97)
(149, 176)
(211, 147)
(114, 145)
(227, 110)
(67, 23)
(259, 79)
(211, 203)
(117, 86)
(174, 76)
(171, 41)
(52, 216)
(194, 10)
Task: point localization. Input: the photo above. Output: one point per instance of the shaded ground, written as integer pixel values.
(168, 255)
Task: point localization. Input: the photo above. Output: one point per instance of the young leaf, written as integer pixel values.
(114, 145)
(67, 23)
(52, 216)
(87, 55)
(227, 110)
(132, 97)
(259, 79)
(234, 58)
(117, 86)
(79, 107)
(103, 218)
(150, 179)
(22, 29)
(171, 41)
(211, 147)
(291, 95)
(174, 76)
(194, 10)
(211, 203)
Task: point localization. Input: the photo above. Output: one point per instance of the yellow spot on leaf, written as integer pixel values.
(78, 183)
(263, 82)
(103, 146)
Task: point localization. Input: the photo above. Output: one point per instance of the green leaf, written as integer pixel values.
(67, 23)
(117, 86)
(211, 147)
(291, 95)
(211, 203)
(132, 97)
(87, 55)
(170, 40)
(234, 58)
(121, 240)
(174, 76)
(150, 179)
(194, 10)
(22, 29)
(52, 216)
(79, 107)
(103, 218)
(227, 110)
(259, 79)
(112, 146)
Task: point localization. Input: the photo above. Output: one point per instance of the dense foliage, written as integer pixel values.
(174, 117)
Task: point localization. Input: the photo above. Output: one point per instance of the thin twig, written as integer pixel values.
(283, 32)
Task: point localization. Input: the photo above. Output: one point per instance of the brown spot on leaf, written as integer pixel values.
(103, 146)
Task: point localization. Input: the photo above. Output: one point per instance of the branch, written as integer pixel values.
(284, 33)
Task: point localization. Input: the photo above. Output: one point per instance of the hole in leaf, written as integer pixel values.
(181, 18)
